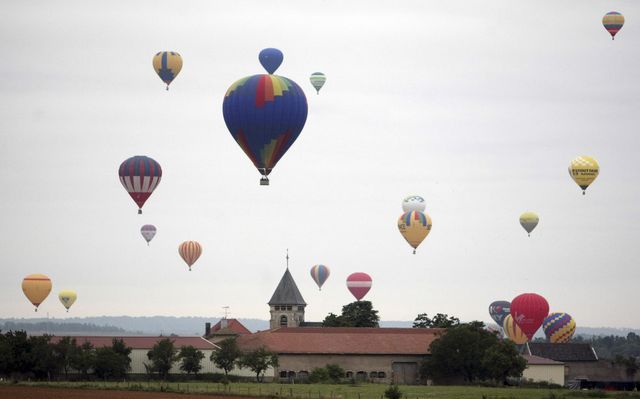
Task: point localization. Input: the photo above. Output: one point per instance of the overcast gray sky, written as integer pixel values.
(477, 106)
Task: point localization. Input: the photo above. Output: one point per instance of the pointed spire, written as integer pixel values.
(287, 258)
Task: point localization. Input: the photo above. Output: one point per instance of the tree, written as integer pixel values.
(191, 359)
(630, 365)
(162, 356)
(124, 351)
(65, 350)
(43, 360)
(502, 360)
(355, 314)
(226, 357)
(113, 361)
(319, 374)
(258, 361)
(84, 359)
(335, 372)
(16, 347)
(440, 320)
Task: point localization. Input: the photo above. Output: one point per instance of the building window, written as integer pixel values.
(283, 321)
(349, 374)
(303, 375)
(288, 307)
(373, 374)
(291, 375)
(382, 374)
(283, 374)
(361, 375)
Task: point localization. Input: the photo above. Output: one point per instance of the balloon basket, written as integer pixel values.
(264, 181)
(139, 211)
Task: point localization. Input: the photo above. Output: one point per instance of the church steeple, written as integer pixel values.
(286, 303)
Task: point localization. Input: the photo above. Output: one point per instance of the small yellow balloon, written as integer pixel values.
(167, 65)
(67, 298)
(584, 170)
(529, 221)
(414, 226)
(36, 288)
(513, 332)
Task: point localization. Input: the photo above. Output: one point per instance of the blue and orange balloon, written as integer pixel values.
(265, 115)
(320, 274)
(140, 176)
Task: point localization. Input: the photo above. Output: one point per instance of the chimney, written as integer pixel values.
(224, 323)
(207, 329)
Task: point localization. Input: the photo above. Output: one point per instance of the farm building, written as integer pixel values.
(540, 369)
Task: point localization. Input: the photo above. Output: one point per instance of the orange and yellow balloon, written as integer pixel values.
(67, 298)
(513, 332)
(190, 251)
(36, 288)
(414, 226)
(584, 170)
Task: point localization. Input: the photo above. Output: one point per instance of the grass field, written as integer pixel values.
(327, 391)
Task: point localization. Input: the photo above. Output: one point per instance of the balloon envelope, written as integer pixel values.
(270, 58)
(499, 310)
(148, 231)
(140, 176)
(584, 170)
(414, 226)
(265, 115)
(529, 221)
(36, 288)
(318, 80)
(167, 65)
(320, 274)
(528, 311)
(190, 251)
(359, 284)
(559, 327)
(513, 332)
(413, 203)
(67, 298)
(613, 22)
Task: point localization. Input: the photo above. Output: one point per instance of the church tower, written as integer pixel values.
(286, 304)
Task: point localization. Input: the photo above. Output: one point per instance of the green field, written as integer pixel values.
(327, 391)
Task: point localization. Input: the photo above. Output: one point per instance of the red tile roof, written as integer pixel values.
(137, 342)
(537, 360)
(343, 340)
(233, 327)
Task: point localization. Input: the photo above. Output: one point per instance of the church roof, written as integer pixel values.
(287, 292)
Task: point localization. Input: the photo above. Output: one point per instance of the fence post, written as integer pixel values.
(291, 392)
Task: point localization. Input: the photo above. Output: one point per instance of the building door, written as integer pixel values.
(405, 373)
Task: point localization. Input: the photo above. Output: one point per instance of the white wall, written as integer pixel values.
(552, 373)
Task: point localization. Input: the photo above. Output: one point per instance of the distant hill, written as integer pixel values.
(166, 325)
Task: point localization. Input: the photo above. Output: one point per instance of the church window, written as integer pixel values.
(283, 321)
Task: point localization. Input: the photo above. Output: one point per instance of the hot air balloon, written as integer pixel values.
(167, 65)
(265, 115)
(140, 175)
(499, 310)
(559, 327)
(67, 297)
(613, 22)
(513, 332)
(529, 311)
(317, 80)
(190, 252)
(414, 227)
(148, 231)
(270, 59)
(36, 288)
(413, 203)
(359, 284)
(320, 274)
(529, 221)
(584, 170)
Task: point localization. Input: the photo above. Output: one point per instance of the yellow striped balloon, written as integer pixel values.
(513, 332)
(190, 251)
(36, 288)
(584, 170)
(67, 298)
(414, 226)
(613, 22)
(559, 327)
(167, 65)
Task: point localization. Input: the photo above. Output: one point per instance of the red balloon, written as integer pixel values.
(529, 311)
(359, 284)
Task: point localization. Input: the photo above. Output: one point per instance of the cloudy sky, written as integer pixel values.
(477, 106)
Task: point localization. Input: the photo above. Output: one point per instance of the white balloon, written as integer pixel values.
(413, 203)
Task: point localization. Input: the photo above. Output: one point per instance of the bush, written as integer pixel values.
(335, 372)
(319, 374)
(393, 392)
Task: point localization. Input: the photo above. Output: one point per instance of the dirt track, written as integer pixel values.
(22, 392)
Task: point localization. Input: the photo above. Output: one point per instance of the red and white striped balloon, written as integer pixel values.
(190, 251)
(359, 284)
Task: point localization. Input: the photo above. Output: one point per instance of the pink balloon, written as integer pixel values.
(359, 284)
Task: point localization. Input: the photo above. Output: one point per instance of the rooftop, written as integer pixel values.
(138, 342)
(229, 327)
(569, 352)
(540, 361)
(287, 292)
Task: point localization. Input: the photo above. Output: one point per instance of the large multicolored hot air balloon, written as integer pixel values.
(584, 170)
(67, 298)
(513, 332)
(317, 81)
(529, 221)
(413, 203)
(167, 65)
(265, 115)
(528, 311)
(414, 227)
(36, 288)
(148, 231)
(559, 327)
(140, 175)
(320, 274)
(499, 310)
(359, 284)
(190, 251)
(613, 22)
